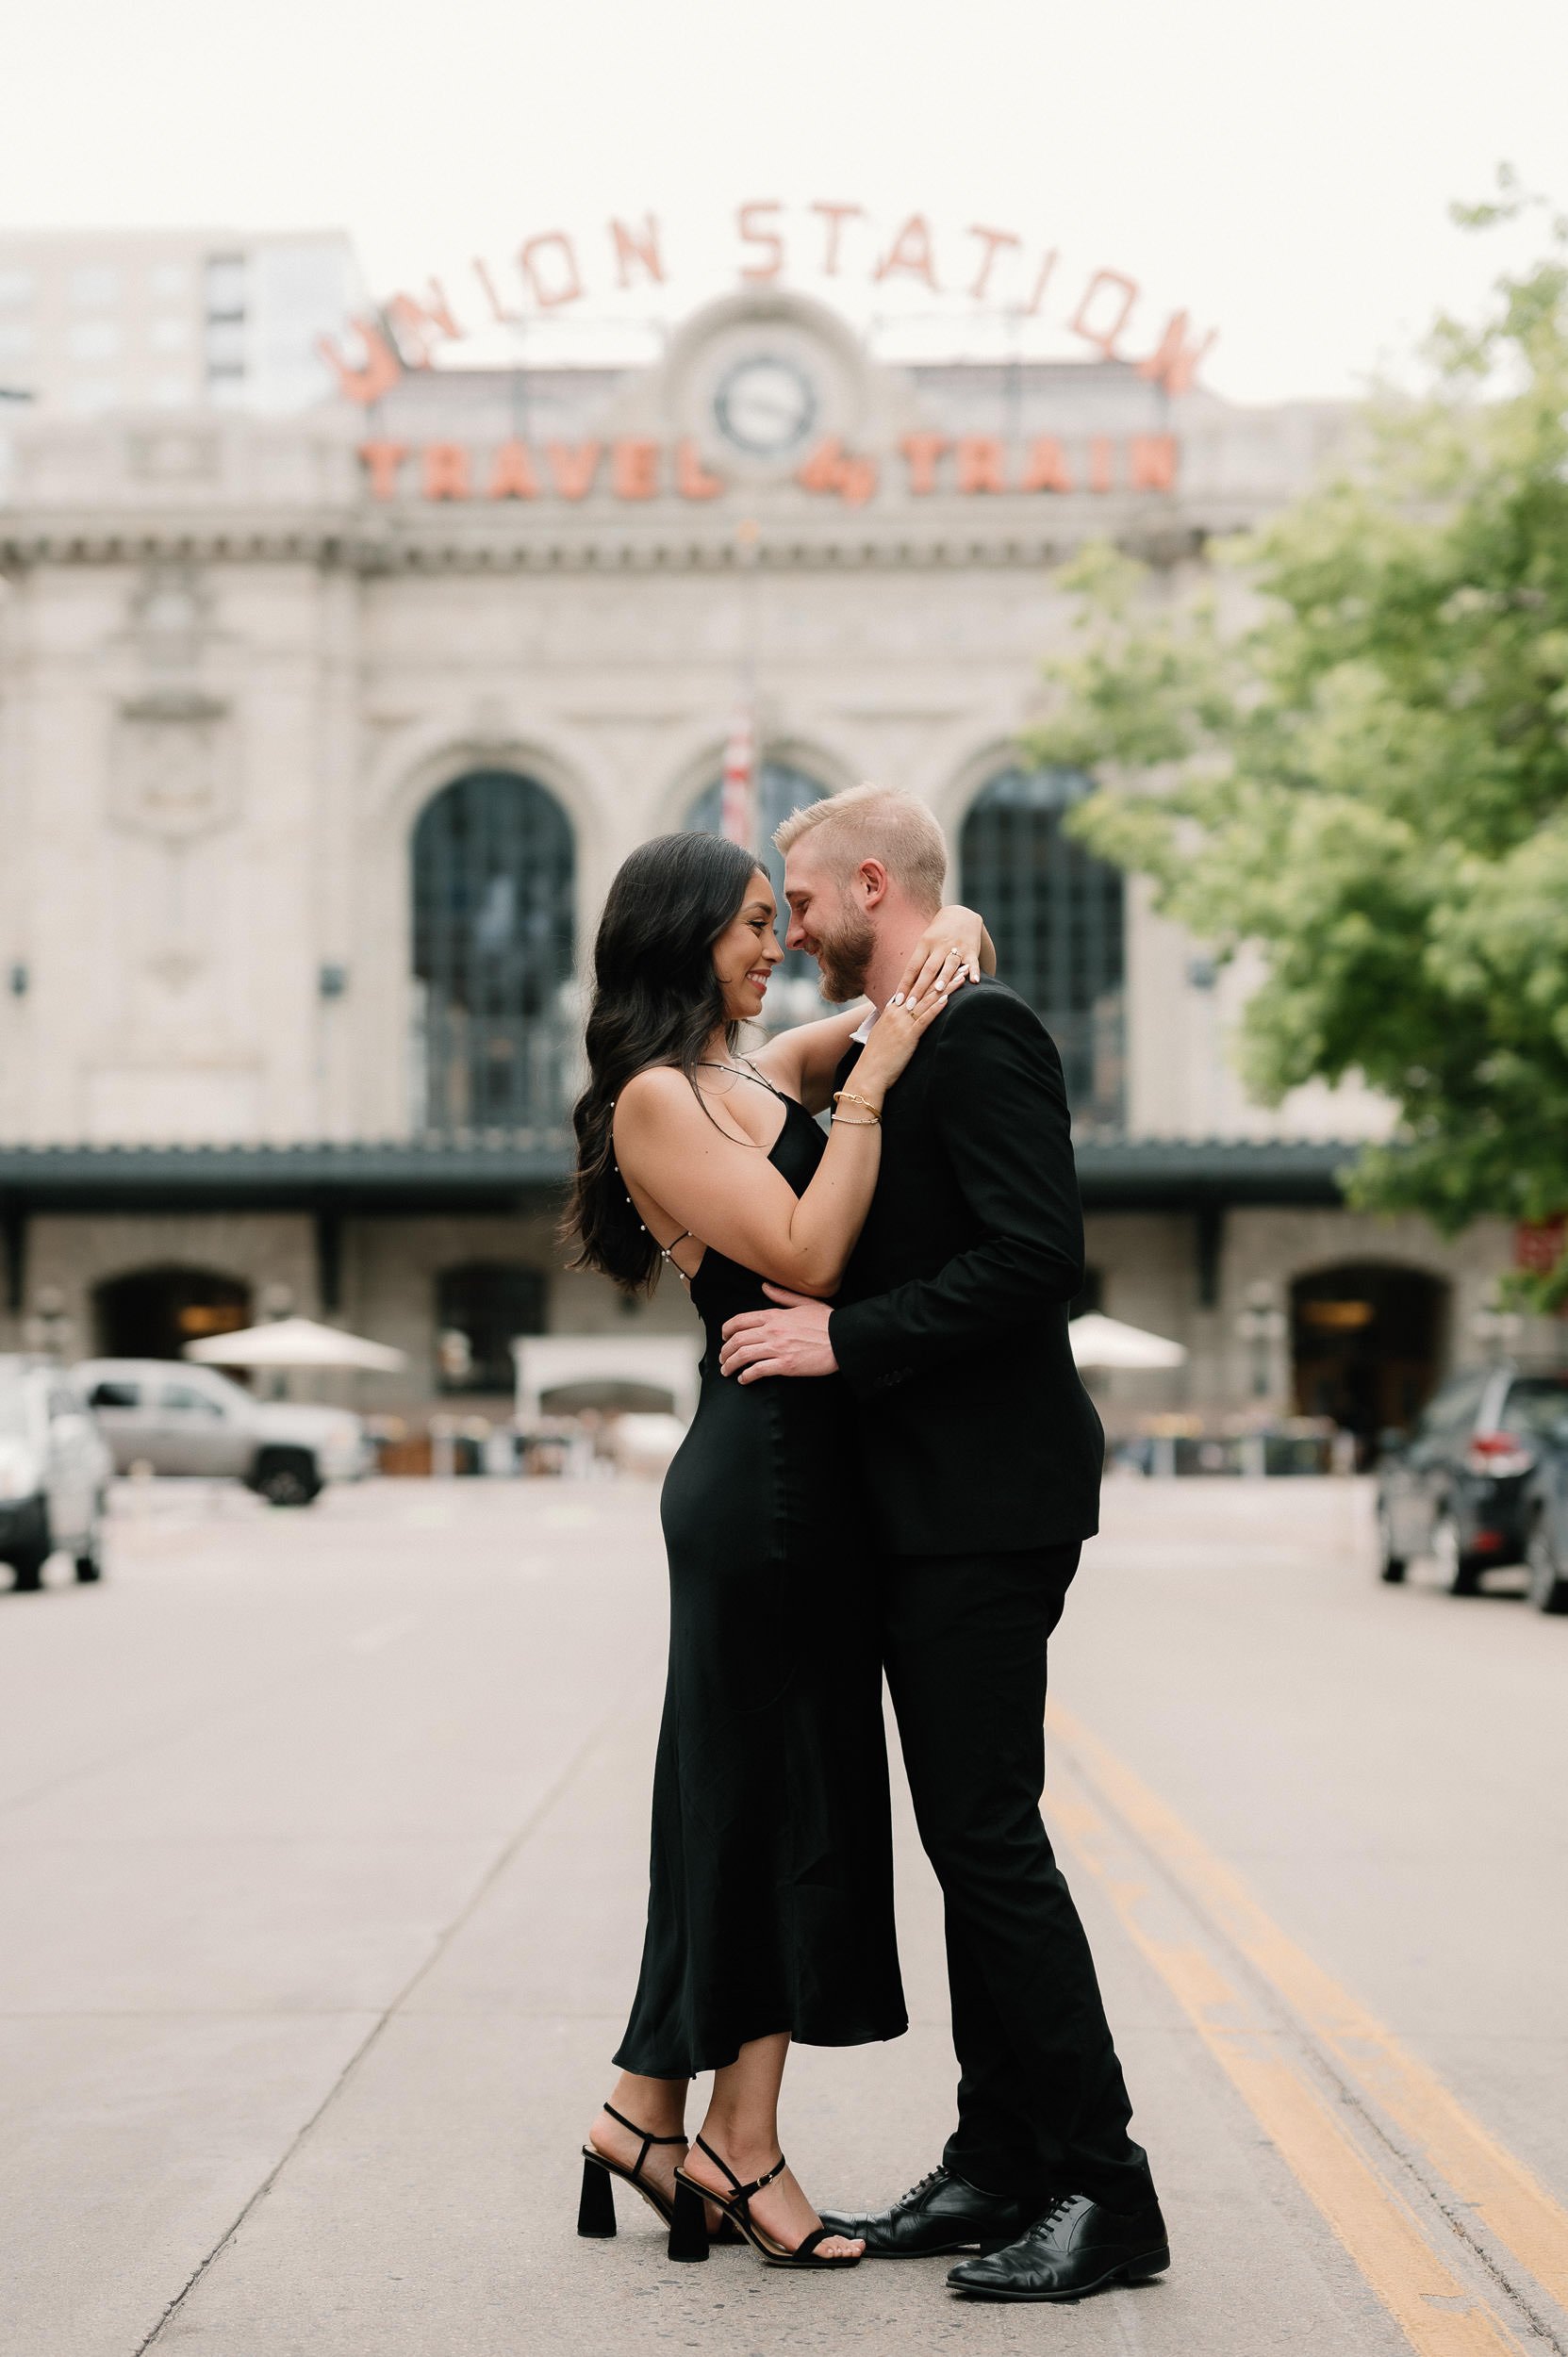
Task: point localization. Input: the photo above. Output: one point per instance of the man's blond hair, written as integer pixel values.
(878, 822)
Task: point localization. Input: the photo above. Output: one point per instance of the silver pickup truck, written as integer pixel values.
(191, 1420)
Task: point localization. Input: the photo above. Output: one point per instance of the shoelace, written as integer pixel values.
(931, 2177)
(1041, 2226)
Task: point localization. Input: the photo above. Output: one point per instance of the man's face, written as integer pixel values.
(828, 922)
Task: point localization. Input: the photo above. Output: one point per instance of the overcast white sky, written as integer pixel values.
(1281, 169)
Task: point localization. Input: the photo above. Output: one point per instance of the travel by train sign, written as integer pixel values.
(635, 469)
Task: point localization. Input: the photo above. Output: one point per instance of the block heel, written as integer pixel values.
(688, 2224)
(596, 2208)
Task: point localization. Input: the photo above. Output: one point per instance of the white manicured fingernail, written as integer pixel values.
(897, 1000)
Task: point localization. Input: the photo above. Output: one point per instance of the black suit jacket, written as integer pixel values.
(951, 1325)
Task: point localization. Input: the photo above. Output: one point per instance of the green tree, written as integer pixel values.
(1360, 764)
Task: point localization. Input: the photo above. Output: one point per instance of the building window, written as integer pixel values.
(225, 286)
(95, 287)
(168, 332)
(1056, 916)
(169, 282)
(16, 288)
(796, 994)
(91, 395)
(494, 876)
(93, 340)
(16, 342)
(479, 1310)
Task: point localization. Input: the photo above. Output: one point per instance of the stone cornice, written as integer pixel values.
(1010, 533)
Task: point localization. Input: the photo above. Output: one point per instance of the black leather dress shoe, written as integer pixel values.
(1077, 2247)
(940, 2214)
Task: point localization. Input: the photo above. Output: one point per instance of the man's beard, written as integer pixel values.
(845, 956)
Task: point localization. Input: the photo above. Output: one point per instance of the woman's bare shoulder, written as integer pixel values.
(659, 1092)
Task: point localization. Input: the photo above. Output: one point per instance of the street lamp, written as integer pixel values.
(1261, 1326)
(47, 1329)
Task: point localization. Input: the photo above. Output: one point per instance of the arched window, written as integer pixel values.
(481, 1309)
(1056, 916)
(780, 790)
(493, 874)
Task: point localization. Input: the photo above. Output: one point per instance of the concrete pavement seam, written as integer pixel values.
(1422, 2190)
(438, 1947)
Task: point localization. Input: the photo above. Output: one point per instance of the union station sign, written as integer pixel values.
(764, 411)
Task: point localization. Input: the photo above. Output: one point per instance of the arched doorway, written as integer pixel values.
(1056, 913)
(494, 875)
(796, 996)
(152, 1313)
(481, 1309)
(1367, 1344)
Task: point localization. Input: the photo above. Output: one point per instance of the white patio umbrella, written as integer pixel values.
(294, 1342)
(1099, 1341)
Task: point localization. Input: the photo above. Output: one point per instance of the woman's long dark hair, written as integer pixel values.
(656, 1000)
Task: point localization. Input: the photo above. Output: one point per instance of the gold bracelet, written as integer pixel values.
(849, 1122)
(852, 1096)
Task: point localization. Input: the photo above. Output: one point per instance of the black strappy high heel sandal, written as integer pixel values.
(689, 2227)
(596, 2209)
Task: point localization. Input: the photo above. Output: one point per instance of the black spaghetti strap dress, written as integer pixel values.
(771, 1899)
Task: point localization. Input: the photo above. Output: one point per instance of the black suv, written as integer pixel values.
(1546, 1507)
(1454, 1490)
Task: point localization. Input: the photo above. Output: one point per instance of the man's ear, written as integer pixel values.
(872, 881)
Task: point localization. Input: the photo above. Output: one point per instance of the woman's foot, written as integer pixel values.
(779, 2209)
(623, 2145)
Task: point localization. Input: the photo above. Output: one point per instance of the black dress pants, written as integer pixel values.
(1042, 2105)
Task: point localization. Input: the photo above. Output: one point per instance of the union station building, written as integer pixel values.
(321, 734)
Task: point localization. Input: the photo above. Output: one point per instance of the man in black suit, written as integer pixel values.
(982, 1461)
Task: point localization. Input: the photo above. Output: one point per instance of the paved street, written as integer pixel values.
(321, 1840)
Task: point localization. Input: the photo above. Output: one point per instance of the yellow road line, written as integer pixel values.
(1438, 2315)
(1511, 2203)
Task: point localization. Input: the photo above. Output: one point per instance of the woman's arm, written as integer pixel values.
(955, 942)
(954, 945)
(725, 1191)
(803, 1061)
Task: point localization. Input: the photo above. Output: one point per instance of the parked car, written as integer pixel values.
(54, 1473)
(182, 1419)
(1545, 1503)
(1454, 1490)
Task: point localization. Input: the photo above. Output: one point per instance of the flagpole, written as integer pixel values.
(739, 811)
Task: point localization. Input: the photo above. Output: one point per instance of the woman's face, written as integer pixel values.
(746, 953)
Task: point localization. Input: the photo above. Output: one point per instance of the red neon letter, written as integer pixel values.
(630, 246)
(910, 253)
(1152, 462)
(835, 215)
(692, 480)
(380, 372)
(981, 460)
(506, 318)
(382, 461)
(569, 287)
(922, 451)
(1104, 339)
(446, 471)
(1042, 281)
(745, 221)
(635, 469)
(1174, 361)
(1045, 468)
(993, 240)
(572, 467)
(513, 477)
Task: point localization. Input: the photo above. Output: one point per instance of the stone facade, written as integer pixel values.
(239, 659)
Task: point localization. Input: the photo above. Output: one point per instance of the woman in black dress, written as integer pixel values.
(771, 1912)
